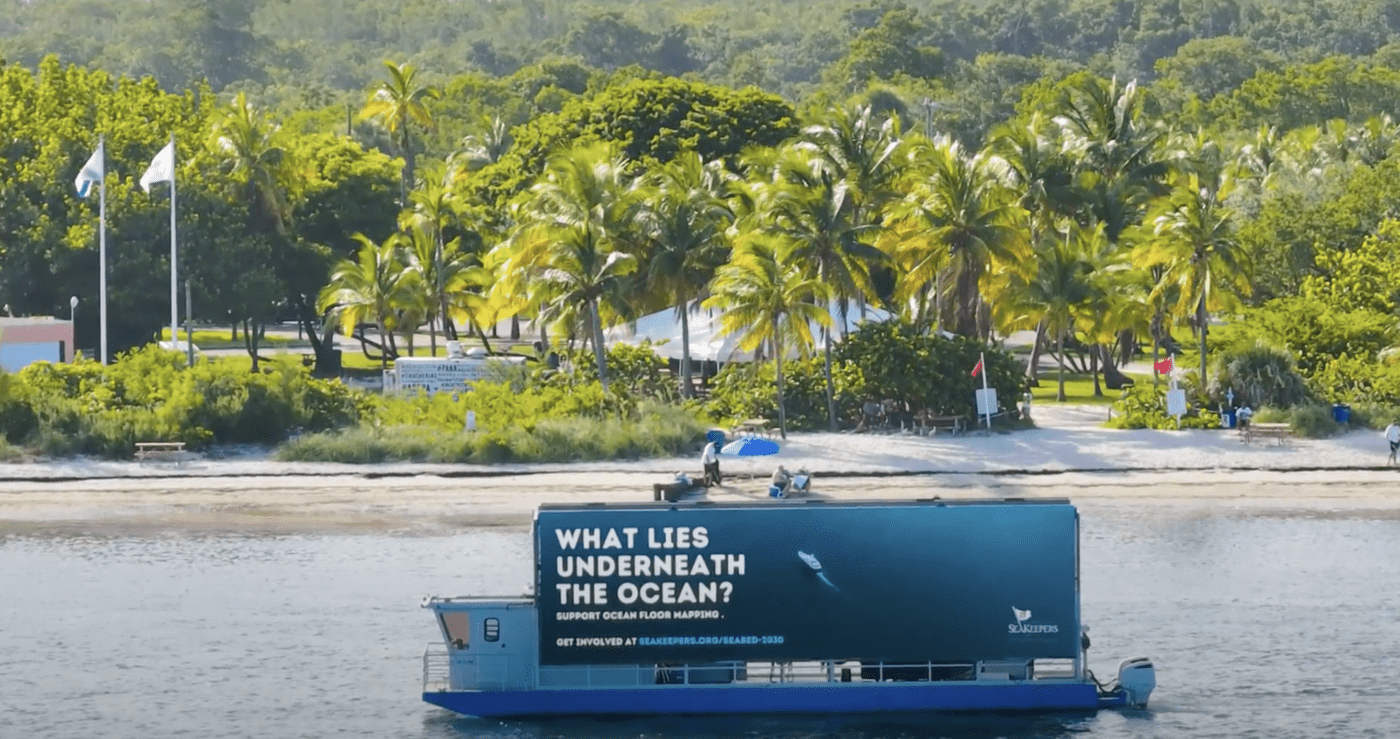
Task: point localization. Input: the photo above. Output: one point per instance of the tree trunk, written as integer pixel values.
(830, 387)
(1094, 369)
(1156, 330)
(432, 335)
(778, 355)
(1112, 378)
(1033, 368)
(383, 346)
(1201, 321)
(598, 344)
(967, 303)
(515, 328)
(1060, 343)
(485, 342)
(687, 388)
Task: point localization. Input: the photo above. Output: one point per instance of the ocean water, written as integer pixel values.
(1262, 623)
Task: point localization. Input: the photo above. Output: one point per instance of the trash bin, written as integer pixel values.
(1227, 419)
(1341, 413)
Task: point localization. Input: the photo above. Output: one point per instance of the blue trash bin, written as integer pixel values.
(1341, 413)
(1227, 419)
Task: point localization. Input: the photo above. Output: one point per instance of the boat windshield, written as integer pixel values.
(457, 625)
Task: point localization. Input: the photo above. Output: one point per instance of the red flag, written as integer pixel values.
(1164, 367)
(978, 369)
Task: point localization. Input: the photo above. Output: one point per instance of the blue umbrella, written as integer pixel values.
(750, 446)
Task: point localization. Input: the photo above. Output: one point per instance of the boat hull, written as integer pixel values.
(679, 700)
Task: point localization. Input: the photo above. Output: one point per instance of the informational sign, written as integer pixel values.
(1176, 402)
(899, 582)
(986, 401)
(442, 374)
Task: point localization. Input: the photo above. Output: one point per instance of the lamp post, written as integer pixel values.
(72, 320)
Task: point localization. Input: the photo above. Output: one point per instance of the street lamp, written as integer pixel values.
(73, 309)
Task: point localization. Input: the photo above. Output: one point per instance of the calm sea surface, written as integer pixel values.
(1261, 623)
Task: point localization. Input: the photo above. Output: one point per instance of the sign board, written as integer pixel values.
(986, 401)
(1176, 402)
(899, 582)
(439, 374)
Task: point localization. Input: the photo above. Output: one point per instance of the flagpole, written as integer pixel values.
(174, 284)
(982, 362)
(102, 249)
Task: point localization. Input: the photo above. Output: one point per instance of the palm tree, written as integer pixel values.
(572, 246)
(488, 146)
(768, 298)
(1193, 243)
(1062, 286)
(372, 285)
(684, 218)
(960, 216)
(252, 157)
(434, 211)
(813, 211)
(1032, 160)
(399, 102)
(854, 158)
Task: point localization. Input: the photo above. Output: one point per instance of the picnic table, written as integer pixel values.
(1280, 431)
(754, 426)
(932, 422)
(169, 451)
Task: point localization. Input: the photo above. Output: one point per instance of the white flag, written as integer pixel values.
(162, 168)
(92, 173)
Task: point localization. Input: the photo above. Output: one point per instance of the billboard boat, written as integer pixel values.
(800, 607)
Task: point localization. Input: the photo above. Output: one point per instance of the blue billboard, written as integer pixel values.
(878, 581)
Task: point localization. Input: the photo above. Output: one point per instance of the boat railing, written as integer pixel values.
(437, 663)
(438, 677)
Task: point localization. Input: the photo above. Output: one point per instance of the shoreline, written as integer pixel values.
(1068, 456)
(430, 504)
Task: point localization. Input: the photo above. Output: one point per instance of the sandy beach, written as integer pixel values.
(1070, 455)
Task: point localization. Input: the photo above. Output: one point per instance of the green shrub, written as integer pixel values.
(150, 395)
(1145, 407)
(1312, 420)
(750, 390)
(927, 370)
(1372, 415)
(659, 431)
(1259, 375)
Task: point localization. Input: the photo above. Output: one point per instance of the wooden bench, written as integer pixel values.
(931, 423)
(672, 491)
(161, 451)
(1279, 431)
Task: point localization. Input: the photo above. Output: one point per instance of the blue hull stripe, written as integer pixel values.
(768, 699)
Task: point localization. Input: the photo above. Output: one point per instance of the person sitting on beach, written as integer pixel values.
(1243, 415)
(1392, 435)
(781, 477)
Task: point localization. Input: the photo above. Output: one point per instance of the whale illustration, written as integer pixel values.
(816, 565)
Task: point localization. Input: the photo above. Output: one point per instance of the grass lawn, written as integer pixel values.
(1079, 389)
(205, 339)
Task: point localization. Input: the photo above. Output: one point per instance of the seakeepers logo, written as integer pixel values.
(1021, 627)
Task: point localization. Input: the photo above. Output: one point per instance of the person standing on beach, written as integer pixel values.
(1392, 435)
(709, 460)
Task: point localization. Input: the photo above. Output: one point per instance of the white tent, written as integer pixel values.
(663, 329)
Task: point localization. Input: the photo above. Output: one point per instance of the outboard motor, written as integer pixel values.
(1137, 678)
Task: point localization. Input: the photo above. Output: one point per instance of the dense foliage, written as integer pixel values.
(1102, 175)
(150, 395)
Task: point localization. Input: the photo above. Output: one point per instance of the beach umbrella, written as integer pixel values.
(750, 446)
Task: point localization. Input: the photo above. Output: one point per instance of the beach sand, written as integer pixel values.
(1069, 456)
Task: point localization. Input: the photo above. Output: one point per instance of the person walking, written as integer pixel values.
(709, 459)
(1392, 435)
